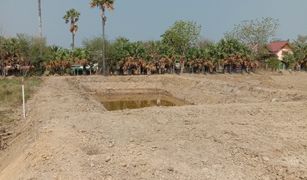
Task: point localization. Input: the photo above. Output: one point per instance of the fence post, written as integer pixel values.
(23, 99)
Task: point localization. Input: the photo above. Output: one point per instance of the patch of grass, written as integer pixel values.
(5, 117)
(10, 90)
(11, 98)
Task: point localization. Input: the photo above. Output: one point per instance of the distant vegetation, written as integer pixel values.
(180, 49)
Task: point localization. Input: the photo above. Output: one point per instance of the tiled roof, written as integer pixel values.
(277, 46)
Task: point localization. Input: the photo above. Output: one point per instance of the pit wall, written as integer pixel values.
(196, 90)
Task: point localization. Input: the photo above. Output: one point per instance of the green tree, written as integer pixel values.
(72, 17)
(94, 46)
(123, 48)
(289, 60)
(137, 50)
(39, 54)
(256, 32)
(59, 53)
(194, 53)
(152, 49)
(229, 47)
(103, 5)
(157, 49)
(182, 36)
(204, 43)
(300, 48)
(80, 54)
(118, 50)
(16, 50)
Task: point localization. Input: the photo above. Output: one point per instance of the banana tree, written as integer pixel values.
(80, 54)
(193, 54)
(59, 53)
(137, 50)
(231, 47)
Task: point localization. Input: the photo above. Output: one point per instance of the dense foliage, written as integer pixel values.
(182, 36)
(25, 54)
(180, 46)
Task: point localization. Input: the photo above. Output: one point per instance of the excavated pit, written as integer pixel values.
(114, 100)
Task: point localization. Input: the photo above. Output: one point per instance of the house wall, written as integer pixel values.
(280, 54)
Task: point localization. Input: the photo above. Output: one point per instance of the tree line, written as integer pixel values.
(180, 49)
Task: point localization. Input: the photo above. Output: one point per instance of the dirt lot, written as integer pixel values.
(240, 127)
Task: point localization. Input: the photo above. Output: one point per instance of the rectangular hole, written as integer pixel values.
(114, 100)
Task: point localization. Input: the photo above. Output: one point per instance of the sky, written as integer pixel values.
(148, 19)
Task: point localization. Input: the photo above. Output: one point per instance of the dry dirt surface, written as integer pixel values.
(239, 127)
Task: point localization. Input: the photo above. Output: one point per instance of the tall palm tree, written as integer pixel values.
(40, 26)
(72, 16)
(40, 19)
(2, 54)
(103, 5)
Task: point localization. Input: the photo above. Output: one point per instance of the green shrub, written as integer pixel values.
(273, 63)
(290, 61)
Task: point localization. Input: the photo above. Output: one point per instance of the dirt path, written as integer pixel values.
(56, 110)
(74, 137)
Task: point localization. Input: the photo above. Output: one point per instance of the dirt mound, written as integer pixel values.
(242, 127)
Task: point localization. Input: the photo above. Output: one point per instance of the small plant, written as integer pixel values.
(273, 63)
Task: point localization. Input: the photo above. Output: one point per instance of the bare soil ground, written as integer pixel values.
(240, 127)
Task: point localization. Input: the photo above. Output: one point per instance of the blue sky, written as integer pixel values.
(148, 19)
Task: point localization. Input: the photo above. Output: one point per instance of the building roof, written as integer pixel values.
(276, 46)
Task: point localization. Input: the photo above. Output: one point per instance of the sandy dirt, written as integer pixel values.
(240, 127)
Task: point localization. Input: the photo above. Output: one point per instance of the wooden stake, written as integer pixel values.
(23, 99)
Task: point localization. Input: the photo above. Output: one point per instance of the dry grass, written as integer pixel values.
(10, 96)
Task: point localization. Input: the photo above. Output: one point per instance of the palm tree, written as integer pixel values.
(103, 5)
(40, 26)
(2, 54)
(72, 16)
(40, 19)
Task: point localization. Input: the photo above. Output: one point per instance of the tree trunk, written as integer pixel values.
(2, 67)
(40, 19)
(40, 28)
(73, 41)
(103, 20)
